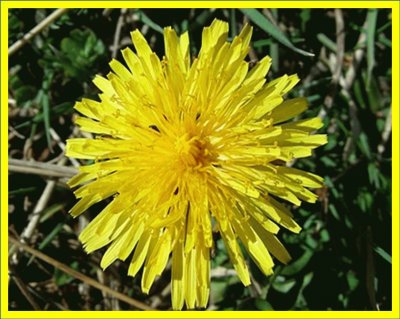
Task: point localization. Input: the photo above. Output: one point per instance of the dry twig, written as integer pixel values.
(117, 34)
(346, 83)
(21, 285)
(61, 145)
(386, 132)
(39, 168)
(76, 274)
(36, 214)
(336, 63)
(38, 28)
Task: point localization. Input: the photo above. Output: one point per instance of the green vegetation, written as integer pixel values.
(341, 259)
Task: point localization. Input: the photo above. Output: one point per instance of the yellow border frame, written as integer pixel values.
(394, 313)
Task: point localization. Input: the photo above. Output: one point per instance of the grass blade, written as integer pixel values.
(327, 42)
(200, 19)
(21, 191)
(46, 114)
(274, 47)
(262, 22)
(60, 109)
(383, 254)
(48, 239)
(50, 211)
(146, 20)
(51, 236)
(233, 24)
(385, 41)
(371, 27)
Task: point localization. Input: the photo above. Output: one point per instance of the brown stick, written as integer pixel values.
(40, 206)
(117, 34)
(43, 24)
(336, 68)
(90, 281)
(21, 285)
(386, 132)
(40, 168)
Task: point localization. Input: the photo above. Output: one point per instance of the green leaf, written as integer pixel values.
(283, 285)
(220, 254)
(14, 25)
(374, 175)
(77, 55)
(299, 264)
(357, 87)
(262, 304)
(352, 280)
(383, 254)
(375, 98)
(334, 211)
(324, 235)
(305, 16)
(332, 141)
(364, 145)
(184, 25)
(218, 289)
(365, 200)
(311, 242)
(24, 94)
(261, 21)
(328, 162)
(301, 301)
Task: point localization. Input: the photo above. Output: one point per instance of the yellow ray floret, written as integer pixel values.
(187, 147)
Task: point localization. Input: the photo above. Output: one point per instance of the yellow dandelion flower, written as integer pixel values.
(187, 148)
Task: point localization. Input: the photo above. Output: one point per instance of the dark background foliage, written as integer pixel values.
(341, 259)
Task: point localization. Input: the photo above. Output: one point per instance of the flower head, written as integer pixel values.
(186, 148)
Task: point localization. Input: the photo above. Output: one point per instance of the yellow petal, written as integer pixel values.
(289, 109)
(140, 253)
(214, 36)
(307, 125)
(273, 245)
(190, 279)
(305, 178)
(235, 254)
(254, 246)
(178, 275)
(203, 275)
(121, 71)
(157, 261)
(104, 85)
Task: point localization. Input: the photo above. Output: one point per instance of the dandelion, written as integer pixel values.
(188, 148)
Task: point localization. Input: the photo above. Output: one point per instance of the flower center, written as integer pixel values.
(193, 151)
